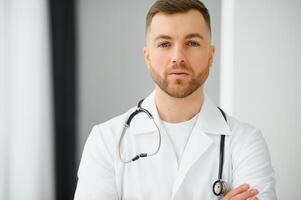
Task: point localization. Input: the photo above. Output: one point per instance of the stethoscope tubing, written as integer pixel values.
(220, 183)
(127, 125)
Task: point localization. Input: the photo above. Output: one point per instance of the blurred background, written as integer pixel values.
(68, 65)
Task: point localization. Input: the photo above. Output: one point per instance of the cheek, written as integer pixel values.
(199, 62)
(159, 61)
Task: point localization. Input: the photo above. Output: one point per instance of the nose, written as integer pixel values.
(178, 55)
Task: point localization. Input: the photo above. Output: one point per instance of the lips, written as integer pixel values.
(178, 72)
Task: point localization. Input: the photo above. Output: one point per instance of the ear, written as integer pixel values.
(211, 54)
(146, 56)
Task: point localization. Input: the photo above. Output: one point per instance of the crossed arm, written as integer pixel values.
(243, 192)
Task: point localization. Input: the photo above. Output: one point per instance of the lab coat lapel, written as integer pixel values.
(197, 144)
(210, 121)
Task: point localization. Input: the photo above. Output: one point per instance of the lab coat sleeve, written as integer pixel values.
(96, 171)
(252, 164)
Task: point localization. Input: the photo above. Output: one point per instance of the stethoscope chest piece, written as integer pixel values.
(219, 187)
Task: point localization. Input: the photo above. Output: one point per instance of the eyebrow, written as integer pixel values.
(192, 35)
(162, 36)
(189, 36)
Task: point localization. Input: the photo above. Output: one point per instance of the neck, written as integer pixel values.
(175, 110)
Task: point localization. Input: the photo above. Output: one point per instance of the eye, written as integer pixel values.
(193, 43)
(164, 45)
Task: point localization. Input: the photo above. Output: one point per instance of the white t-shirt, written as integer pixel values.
(179, 133)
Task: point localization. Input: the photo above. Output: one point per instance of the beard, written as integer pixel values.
(180, 88)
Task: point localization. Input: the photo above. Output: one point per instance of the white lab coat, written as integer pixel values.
(102, 176)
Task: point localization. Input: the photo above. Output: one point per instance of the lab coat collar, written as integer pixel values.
(210, 119)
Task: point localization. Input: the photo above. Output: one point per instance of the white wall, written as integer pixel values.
(266, 81)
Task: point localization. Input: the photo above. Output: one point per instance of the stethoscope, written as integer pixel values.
(219, 186)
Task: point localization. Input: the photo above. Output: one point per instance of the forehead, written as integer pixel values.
(178, 25)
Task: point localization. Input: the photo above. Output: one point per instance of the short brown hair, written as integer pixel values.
(177, 6)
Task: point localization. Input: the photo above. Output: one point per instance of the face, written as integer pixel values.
(178, 52)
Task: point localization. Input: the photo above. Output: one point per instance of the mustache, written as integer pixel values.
(180, 66)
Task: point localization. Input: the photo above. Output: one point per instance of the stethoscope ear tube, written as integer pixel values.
(127, 125)
(138, 110)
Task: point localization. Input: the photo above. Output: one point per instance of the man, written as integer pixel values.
(184, 143)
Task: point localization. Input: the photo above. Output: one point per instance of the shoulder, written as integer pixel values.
(245, 138)
(103, 138)
(241, 130)
(112, 128)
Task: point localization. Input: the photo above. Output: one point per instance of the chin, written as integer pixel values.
(179, 93)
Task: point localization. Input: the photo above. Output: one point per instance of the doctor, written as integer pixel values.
(186, 136)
